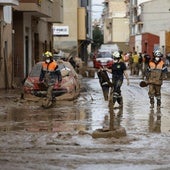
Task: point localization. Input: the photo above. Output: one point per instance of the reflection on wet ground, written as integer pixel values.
(48, 138)
(155, 121)
(55, 119)
(89, 112)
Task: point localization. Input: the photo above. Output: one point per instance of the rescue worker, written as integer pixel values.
(135, 65)
(49, 74)
(118, 72)
(130, 63)
(156, 72)
(140, 64)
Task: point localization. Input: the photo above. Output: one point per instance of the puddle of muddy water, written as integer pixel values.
(57, 137)
(89, 112)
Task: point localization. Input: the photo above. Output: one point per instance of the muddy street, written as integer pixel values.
(59, 138)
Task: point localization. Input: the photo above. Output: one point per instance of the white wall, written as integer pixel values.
(156, 16)
(138, 43)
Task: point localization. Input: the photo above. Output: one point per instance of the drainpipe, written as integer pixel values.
(1, 44)
(6, 78)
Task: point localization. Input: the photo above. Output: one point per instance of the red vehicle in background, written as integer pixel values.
(103, 59)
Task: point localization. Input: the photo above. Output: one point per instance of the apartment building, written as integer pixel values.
(156, 19)
(149, 25)
(32, 33)
(25, 34)
(6, 55)
(27, 31)
(74, 33)
(116, 24)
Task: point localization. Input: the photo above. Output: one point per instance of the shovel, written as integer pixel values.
(143, 83)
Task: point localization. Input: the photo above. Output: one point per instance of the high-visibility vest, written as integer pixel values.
(155, 76)
(152, 65)
(49, 66)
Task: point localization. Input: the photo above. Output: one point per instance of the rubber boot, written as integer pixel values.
(158, 103)
(114, 101)
(151, 102)
(115, 96)
(120, 101)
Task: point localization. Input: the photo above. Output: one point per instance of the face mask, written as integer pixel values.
(116, 60)
(157, 58)
(47, 60)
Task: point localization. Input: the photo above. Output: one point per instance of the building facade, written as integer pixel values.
(116, 24)
(74, 33)
(32, 33)
(25, 34)
(6, 44)
(149, 25)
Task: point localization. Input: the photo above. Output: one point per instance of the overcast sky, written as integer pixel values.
(97, 8)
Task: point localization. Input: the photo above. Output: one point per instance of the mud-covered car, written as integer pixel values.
(69, 87)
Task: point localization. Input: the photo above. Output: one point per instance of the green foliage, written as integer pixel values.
(97, 38)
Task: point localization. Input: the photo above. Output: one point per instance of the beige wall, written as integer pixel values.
(6, 57)
(116, 27)
(5, 52)
(43, 10)
(57, 11)
(70, 20)
(107, 30)
(117, 8)
(81, 24)
(120, 30)
(44, 34)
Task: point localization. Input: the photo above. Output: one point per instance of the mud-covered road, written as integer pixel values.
(59, 138)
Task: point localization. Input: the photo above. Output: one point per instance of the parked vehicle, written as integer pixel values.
(103, 59)
(109, 47)
(69, 88)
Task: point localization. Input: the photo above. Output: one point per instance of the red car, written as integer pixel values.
(103, 59)
(70, 84)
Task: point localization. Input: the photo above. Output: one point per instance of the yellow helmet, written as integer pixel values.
(48, 54)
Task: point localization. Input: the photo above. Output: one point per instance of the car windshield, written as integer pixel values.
(35, 72)
(104, 55)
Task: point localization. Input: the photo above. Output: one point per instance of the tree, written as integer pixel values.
(97, 38)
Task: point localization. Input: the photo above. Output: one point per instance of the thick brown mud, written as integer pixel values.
(60, 138)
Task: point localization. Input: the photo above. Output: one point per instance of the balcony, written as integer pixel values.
(8, 2)
(57, 12)
(38, 8)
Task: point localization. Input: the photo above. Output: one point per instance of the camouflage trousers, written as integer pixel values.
(155, 91)
(49, 92)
